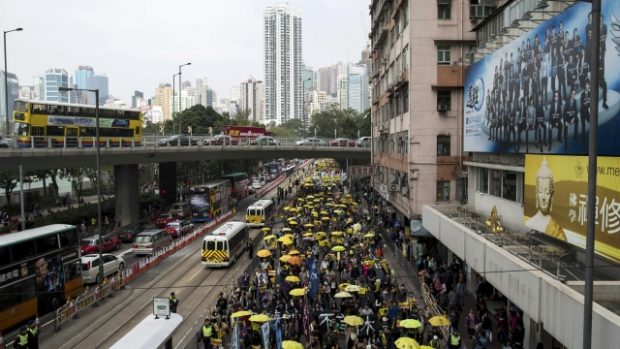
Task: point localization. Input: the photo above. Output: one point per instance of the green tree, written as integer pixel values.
(8, 182)
(199, 118)
(346, 123)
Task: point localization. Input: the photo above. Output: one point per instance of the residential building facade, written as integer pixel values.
(283, 64)
(162, 98)
(252, 99)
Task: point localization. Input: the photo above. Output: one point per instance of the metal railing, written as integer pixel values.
(168, 141)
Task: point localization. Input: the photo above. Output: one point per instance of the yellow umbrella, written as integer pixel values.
(240, 313)
(321, 235)
(338, 248)
(292, 222)
(285, 258)
(344, 285)
(291, 345)
(286, 208)
(337, 233)
(289, 236)
(369, 235)
(352, 288)
(294, 252)
(269, 237)
(425, 347)
(353, 320)
(310, 197)
(406, 343)
(287, 242)
(265, 229)
(292, 278)
(324, 243)
(439, 321)
(297, 292)
(343, 294)
(338, 212)
(286, 229)
(308, 235)
(410, 323)
(300, 199)
(283, 238)
(259, 318)
(324, 213)
(309, 225)
(263, 253)
(292, 209)
(325, 219)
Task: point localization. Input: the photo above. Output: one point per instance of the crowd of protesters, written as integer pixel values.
(322, 281)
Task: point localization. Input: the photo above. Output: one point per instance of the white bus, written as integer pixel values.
(151, 333)
(224, 245)
(258, 213)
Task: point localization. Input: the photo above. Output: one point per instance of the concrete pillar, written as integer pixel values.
(127, 194)
(168, 182)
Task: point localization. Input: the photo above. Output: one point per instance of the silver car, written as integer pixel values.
(6, 142)
(90, 266)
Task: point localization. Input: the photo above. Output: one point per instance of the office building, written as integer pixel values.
(327, 78)
(13, 88)
(252, 99)
(283, 64)
(200, 92)
(53, 79)
(81, 79)
(184, 101)
(357, 88)
(137, 100)
(28, 93)
(99, 82)
(211, 98)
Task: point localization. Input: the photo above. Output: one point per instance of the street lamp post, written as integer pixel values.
(180, 89)
(98, 171)
(6, 81)
(173, 97)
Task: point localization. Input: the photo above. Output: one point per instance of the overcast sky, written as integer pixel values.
(140, 43)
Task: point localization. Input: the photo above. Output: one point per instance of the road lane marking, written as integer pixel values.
(196, 273)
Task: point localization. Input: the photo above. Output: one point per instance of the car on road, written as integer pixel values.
(90, 266)
(164, 219)
(90, 244)
(364, 142)
(6, 142)
(342, 142)
(178, 228)
(182, 140)
(257, 184)
(128, 232)
(312, 141)
(222, 140)
(150, 241)
(264, 140)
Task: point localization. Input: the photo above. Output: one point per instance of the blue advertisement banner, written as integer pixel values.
(533, 95)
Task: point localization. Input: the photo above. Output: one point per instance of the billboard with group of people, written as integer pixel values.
(533, 95)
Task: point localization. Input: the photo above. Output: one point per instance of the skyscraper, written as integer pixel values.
(55, 78)
(357, 87)
(81, 79)
(162, 98)
(99, 82)
(283, 64)
(252, 99)
(13, 88)
(137, 99)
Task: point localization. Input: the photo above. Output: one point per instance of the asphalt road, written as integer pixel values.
(195, 286)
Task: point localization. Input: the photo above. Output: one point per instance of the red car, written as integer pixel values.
(342, 142)
(89, 245)
(164, 219)
(178, 228)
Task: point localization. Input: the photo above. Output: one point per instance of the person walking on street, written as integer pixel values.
(207, 333)
(455, 340)
(33, 336)
(250, 248)
(174, 302)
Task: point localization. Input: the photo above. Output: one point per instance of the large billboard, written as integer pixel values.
(555, 200)
(533, 95)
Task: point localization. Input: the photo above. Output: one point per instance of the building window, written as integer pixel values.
(443, 54)
(509, 185)
(443, 145)
(443, 190)
(496, 183)
(404, 96)
(444, 7)
(443, 100)
(406, 58)
(483, 180)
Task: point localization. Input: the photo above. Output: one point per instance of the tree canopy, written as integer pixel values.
(348, 123)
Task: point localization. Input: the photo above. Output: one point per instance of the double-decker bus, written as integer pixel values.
(209, 201)
(43, 124)
(39, 271)
(239, 183)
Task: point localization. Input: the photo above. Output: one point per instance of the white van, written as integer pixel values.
(149, 241)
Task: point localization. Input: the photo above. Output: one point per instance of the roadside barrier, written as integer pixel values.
(107, 289)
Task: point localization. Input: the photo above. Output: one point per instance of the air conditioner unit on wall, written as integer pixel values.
(393, 188)
(442, 108)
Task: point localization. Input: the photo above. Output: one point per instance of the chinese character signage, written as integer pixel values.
(555, 200)
(533, 95)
